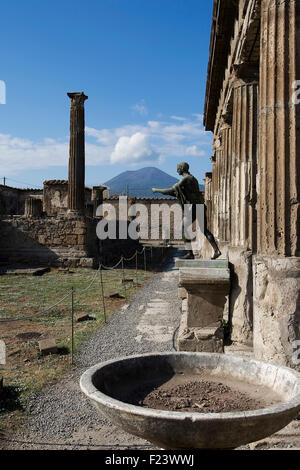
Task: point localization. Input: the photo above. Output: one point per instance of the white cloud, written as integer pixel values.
(193, 151)
(178, 118)
(134, 149)
(19, 154)
(140, 108)
(131, 144)
(200, 117)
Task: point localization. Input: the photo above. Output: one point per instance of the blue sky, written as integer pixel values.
(143, 65)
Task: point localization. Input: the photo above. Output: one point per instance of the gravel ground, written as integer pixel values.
(62, 417)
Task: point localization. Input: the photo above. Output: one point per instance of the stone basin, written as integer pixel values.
(104, 383)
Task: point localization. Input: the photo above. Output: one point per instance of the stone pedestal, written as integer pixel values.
(207, 284)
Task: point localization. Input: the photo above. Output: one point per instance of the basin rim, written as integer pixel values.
(93, 393)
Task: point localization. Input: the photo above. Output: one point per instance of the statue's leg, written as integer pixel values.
(190, 254)
(211, 238)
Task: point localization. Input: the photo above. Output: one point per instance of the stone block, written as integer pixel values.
(42, 239)
(182, 293)
(2, 352)
(71, 239)
(241, 295)
(82, 249)
(79, 231)
(127, 281)
(207, 288)
(184, 306)
(202, 263)
(277, 310)
(207, 284)
(205, 307)
(81, 240)
(80, 224)
(116, 296)
(84, 317)
(209, 339)
(200, 339)
(47, 346)
(86, 262)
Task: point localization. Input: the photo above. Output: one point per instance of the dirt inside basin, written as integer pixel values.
(191, 393)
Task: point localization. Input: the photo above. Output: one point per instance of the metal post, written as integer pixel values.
(145, 260)
(72, 337)
(123, 276)
(136, 268)
(102, 291)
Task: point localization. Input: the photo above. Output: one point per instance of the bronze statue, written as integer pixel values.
(187, 192)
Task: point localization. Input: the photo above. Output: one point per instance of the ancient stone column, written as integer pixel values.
(277, 267)
(243, 165)
(279, 181)
(208, 196)
(241, 191)
(225, 183)
(213, 227)
(278, 169)
(76, 195)
(97, 197)
(33, 207)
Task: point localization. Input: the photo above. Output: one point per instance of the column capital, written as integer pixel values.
(245, 74)
(77, 99)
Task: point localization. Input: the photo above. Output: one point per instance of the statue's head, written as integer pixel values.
(183, 167)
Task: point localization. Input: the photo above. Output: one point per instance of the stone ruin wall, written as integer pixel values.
(55, 198)
(55, 241)
(252, 194)
(48, 236)
(12, 200)
(149, 203)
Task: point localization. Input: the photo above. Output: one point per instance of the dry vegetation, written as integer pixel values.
(27, 371)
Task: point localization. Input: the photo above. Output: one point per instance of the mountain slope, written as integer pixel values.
(140, 182)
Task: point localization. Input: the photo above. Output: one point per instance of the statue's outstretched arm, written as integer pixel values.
(166, 192)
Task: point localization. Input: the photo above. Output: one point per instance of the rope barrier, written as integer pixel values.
(93, 279)
(81, 291)
(3, 320)
(130, 259)
(111, 267)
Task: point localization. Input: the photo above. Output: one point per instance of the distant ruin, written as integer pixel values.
(56, 225)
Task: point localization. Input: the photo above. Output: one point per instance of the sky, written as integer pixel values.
(143, 65)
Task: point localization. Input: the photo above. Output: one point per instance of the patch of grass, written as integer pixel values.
(26, 370)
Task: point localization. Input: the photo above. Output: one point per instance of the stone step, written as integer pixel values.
(202, 263)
